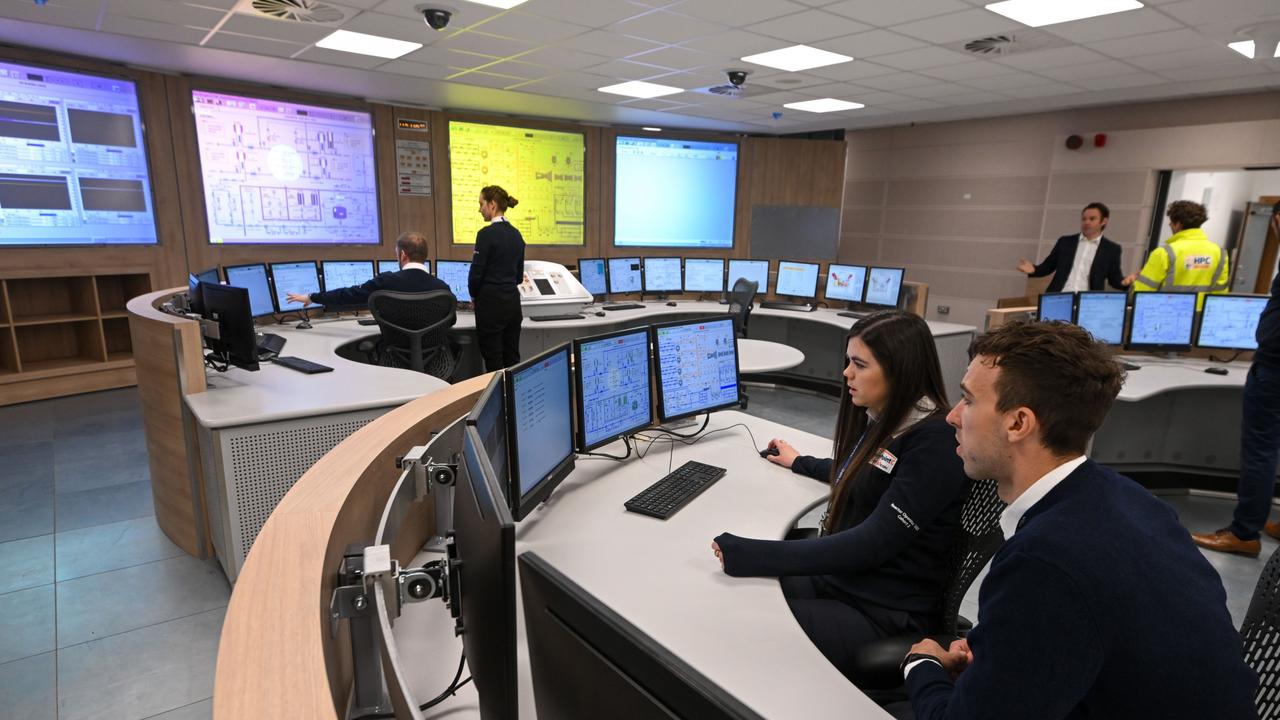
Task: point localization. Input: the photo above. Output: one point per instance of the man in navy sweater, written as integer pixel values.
(1097, 605)
(413, 276)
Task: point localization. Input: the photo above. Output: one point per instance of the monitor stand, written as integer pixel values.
(306, 321)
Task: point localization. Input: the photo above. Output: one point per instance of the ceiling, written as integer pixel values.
(547, 57)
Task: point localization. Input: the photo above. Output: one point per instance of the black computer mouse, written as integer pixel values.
(601, 313)
(672, 304)
(1216, 370)
(769, 451)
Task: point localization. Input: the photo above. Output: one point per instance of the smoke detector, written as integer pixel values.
(312, 12)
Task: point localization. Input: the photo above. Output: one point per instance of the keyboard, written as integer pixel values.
(623, 306)
(663, 498)
(854, 315)
(302, 366)
(544, 318)
(796, 307)
(367, 321)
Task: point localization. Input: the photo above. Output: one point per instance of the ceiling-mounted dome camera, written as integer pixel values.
(737, 77)
(436, 18)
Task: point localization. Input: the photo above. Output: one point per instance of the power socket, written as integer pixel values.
(944, 309)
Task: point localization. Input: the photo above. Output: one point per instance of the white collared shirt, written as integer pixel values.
(1012, 515)
(1078, 279)
(497, 219)
(415, 266)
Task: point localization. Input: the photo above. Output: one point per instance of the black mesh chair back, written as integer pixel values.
(980, 538)
(740, 299)
(415, 330)
(1260, 634)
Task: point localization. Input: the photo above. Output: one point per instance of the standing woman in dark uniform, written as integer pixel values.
(497, 267)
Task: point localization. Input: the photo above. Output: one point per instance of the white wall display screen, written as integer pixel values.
(674, 193)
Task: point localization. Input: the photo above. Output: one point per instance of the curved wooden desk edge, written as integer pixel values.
(170, 364)
(276, 657)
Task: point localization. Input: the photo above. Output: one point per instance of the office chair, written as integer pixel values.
(1260, 634)
(740, 298)
(415, 331)
(876, 664)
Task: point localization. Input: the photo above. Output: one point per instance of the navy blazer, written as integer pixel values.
(411, 280)
(1105, 268)
(1099, 606)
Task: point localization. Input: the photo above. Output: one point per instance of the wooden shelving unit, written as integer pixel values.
(61, 335)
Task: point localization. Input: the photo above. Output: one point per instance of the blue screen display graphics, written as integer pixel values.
(884, 286)
(797, 279)
(624, 275)
(295, 277)
(591, 274)
(697, 366)
(662, 274)
(388, 266)
(455, 273)
(1162, 318)
(1056, 306)
(757, 270)
(704, 275)
(542, 417)
(346, 273)
(615, 386)
(1102, 314)
(845, 282)
(1230, 322)
(663, 187)
(254, 279)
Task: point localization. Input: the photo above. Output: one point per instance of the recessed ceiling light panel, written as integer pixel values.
(797, 58)
(362, 44)
(1037, 13)
(824, 105)
(640, 89)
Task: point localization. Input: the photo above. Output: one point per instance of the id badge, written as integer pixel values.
(884, 461)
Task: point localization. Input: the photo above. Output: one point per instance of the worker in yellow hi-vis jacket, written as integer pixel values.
(1190, 262)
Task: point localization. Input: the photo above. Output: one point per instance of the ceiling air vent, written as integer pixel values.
(304, 11)
(1009, 43)
(729, 90)
(991, 46)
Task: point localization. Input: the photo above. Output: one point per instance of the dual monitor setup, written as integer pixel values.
(1160, 321)
(853, 284)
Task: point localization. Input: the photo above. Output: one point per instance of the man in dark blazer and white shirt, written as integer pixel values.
(413, 276)
(1088, 261)
(1097, 605)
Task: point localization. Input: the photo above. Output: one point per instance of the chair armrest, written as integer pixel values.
(875, 665)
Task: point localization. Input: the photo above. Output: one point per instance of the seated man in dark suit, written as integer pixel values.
(1097, 605)
(413, 276)
(1087, 261)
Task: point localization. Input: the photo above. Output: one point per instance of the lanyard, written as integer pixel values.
(844, 467)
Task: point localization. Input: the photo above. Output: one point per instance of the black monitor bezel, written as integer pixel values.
(644, 274)
(239, 344)
(866, 270)
(902, 285)
(579, 411)
(1124, 319)
(724, 269)
(606, 273)
(656, 364)
(271, 288)
(497, 384)
(609, 275)
(1159, 347)
(816, 275)
(1209, 297)
(324, 283)
(762, 289)
(1040, 306)
(275, 300)
(458, 262)
(520, 505)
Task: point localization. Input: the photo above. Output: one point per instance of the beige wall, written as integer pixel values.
(959, 203)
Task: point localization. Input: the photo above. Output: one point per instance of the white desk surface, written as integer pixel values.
(762, 356)
(662, 577)
(1160, 375)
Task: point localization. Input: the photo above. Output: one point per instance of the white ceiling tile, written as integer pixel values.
(596, 13)
(941, 90)
(968, 71)
(361, 4)
(343, 59)
(1116, 25)
(923, 58)
(1072, 73)
(881, 13)
(393, 27)
(687, 80)
(258, 26)
(652, 104)
(435, 55)
(1217, 71)
(1112, 82)
(561, 58)
(55, 13)
(1044, 89)
(484, 79)
(674, 57)
(666, 27)
(1056, 57)
(576, 80)
(914, 106)
(736, 12)
(167, 12)
(522, 70)
(974, 97)
(733, 44)
(1000, 83)
(897, 81)
(154, 30)
(610, 44)
(781, 97)
(879, 98)
(1206, 55)
(855, 70)
(466, 13)
(533, 28)
(217, 4)
(1199, 12)
(627, 70)
(253, 45)
(418, 70)
(485, 43)
(791, 81)
(808, 26)
(964, 25)
(870, 44)
(1152, 44)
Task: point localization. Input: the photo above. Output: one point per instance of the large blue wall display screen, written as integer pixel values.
(279, 172)
(73, 165)
(674, 193)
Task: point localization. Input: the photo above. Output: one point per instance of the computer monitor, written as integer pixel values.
(624, 275)
(845, 282)
(388, 266)
(210, 276)
(1162, 321)
(253, 278)
(1102, 314)
(195, 295)
(345, 273)
(613, 388)
(1057, 306)
(797, 279)
(540, 427)
(489, 416)
(591, 274)
(662, 275)
(455, 273)
(229, 306)
(696, 362)
(294, 277)
(482, 573)
(1230, 322)
(757, 270)
(704, 275)
(884, 287)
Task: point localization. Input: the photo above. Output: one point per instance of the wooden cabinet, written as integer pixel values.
(67, 334)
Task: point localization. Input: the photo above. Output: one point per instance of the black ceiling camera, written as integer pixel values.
(737, 77)
(437, 18)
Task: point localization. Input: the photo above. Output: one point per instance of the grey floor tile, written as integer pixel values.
(100, 506)
(202, 710)
(25, 423)
(26, 563)
(122, 600)
(26, 507)
(95, 404)
(93, 425)
(110, 547)
(24, 462)
(26, 623)
(102, 460)
(141, 673)
(28, 688)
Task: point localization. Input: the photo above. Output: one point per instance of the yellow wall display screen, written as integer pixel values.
(543, 169)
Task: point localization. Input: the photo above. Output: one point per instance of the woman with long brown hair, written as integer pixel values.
(879, 565)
